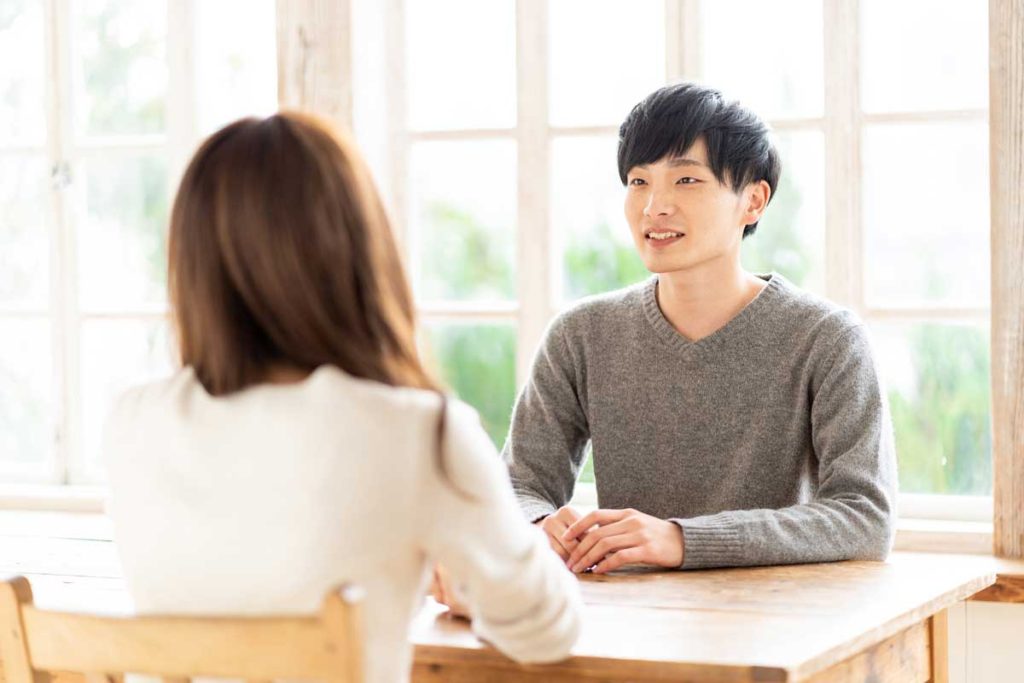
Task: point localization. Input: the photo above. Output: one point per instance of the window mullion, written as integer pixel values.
(63, 263)
(682, 40)
(398, 140)
(844, 272)
(534, 257)
(180, 138)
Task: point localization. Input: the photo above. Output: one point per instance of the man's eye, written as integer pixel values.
(637, 181)
(687, 180)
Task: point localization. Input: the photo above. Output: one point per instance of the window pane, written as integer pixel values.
(236, 71)
(924, 54)
(464, 217)
(478, 363)
(121, 242)
(120, 66)
(116, 355)
(461, 63)
(587, 219)
(24, 232)
(767, 54)
(22, 100)
(26, 400)
(790, 239)
(938, 384)
(605, 57)
(926, 214)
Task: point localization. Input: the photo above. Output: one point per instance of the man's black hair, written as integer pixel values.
(668, 121)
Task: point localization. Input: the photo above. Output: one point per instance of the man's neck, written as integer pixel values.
(700, 301)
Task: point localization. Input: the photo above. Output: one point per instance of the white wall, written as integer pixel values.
(986, 643)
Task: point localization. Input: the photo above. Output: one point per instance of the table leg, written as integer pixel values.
(939, 636)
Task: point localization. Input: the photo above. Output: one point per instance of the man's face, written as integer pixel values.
(680, 215)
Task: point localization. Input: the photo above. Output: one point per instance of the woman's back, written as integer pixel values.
(262, 500)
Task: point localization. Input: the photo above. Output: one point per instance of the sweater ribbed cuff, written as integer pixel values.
(710, 542)
(534, 508)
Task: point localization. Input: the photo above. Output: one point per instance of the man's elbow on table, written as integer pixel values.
(877, 538)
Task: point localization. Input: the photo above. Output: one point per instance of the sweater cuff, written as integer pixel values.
(710, 542)
(534, 508)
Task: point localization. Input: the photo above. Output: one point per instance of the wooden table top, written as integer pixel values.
(766, 623)
(794, 621)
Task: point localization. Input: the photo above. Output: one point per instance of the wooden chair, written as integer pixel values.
(35, 643)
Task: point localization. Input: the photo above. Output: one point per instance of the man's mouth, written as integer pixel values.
(662, 235)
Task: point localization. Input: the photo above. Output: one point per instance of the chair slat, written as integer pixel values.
(178, 648)
(14, 651)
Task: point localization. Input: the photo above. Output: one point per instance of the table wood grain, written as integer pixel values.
(843, 621)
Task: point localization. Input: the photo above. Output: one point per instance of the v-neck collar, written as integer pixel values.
(676, 341)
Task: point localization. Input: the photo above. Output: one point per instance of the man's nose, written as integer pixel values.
(659, 204)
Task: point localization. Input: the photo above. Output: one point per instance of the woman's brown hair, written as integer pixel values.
(281, 254)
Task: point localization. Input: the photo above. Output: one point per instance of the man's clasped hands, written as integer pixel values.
(600, 541)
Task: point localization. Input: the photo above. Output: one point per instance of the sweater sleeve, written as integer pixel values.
(852, 514)
(521, 596)
(549, 430)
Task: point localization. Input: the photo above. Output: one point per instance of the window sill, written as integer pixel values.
(53, 498)
(912, 535)
(943, 536)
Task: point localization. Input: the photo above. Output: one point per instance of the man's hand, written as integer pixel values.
(441, 590)
(554, 525)
(622, 537)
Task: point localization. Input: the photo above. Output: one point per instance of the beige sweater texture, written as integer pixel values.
(262, 501)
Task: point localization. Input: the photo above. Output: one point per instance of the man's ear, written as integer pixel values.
(757, 196)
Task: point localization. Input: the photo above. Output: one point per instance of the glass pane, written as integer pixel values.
(22, 100)
(587, 219)
(937, 378)
(24, 232)
(121, 242)
(924, 54)
(478, 363)
(117, 355)
(461, 63)
(27, 414)
(790, 239)
(605, 57)
(772, 59)
(464, 218)
(926, 214)
(236, 71)
(120, 66)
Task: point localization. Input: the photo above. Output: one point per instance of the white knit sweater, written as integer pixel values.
(261, 501)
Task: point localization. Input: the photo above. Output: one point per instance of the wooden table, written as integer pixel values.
(849, 621)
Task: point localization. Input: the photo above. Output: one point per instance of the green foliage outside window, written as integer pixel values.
(943, 427)
(941, 421)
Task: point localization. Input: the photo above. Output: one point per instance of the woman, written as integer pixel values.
(303, 444)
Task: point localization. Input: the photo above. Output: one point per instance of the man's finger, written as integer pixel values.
(553, 528)
(606, 546)
(618, 559)
(597, 517)
(592, 537)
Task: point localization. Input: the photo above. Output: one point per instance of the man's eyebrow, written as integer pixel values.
(676, 162)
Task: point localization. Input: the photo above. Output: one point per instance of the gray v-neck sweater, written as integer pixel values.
(768, 442)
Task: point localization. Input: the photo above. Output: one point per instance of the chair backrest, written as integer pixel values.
(33, 642)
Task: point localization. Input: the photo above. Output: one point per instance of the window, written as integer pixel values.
(496, 153)
(101, 104)
(513, 206)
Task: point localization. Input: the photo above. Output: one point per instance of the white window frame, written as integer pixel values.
(537, 299)
(67, 480)
(538, 266)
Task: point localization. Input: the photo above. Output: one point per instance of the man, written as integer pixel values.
(734, 419)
